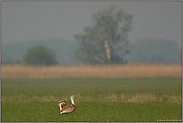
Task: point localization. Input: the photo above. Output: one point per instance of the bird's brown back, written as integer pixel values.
(69, 108)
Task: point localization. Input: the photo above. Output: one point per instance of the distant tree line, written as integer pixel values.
(104, 43)
(39, 55)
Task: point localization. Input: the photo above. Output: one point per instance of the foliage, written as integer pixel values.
(39, 56)
(107, 41)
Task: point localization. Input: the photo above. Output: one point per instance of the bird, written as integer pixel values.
(62, 104)
(67, 109)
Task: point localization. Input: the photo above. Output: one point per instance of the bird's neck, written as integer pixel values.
(72, 101)
(73, 104)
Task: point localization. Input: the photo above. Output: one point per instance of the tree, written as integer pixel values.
(107, 41)
(39, 56)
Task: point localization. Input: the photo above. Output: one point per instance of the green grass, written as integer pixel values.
(132, 99)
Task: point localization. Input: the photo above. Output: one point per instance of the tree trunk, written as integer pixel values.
(108, 51)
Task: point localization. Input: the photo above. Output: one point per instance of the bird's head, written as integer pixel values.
(72, 97)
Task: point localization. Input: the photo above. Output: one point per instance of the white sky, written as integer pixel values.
(25, 21)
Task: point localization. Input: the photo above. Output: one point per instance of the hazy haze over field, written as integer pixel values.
(27, 21)
(24, 21)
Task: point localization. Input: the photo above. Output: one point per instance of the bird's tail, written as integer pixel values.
(62, 104)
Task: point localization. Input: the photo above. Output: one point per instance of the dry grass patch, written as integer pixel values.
(23, 98)
(111, 98)
(79, 98)
(141, 98)
(137, 98)
(175, 99)
(97, 71)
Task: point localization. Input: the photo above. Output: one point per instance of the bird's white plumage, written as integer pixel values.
(67, 109)
(62, 104)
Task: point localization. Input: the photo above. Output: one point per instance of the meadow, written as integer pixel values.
(97, 99)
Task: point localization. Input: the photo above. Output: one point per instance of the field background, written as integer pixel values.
(134, 92)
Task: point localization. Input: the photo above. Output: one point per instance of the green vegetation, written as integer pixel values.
(106, 42)
(156, 54)
(132, 99)
(39, 55)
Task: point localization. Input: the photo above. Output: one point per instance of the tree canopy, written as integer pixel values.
(39, 55)
(107, 41)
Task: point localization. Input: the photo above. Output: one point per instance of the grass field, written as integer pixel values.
(97, 99)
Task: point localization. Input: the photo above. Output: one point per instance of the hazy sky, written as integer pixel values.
(25, 21)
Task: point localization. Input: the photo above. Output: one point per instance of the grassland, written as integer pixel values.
(97, 99)
(92, 71)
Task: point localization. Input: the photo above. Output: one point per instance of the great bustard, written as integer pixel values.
(67, 109)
